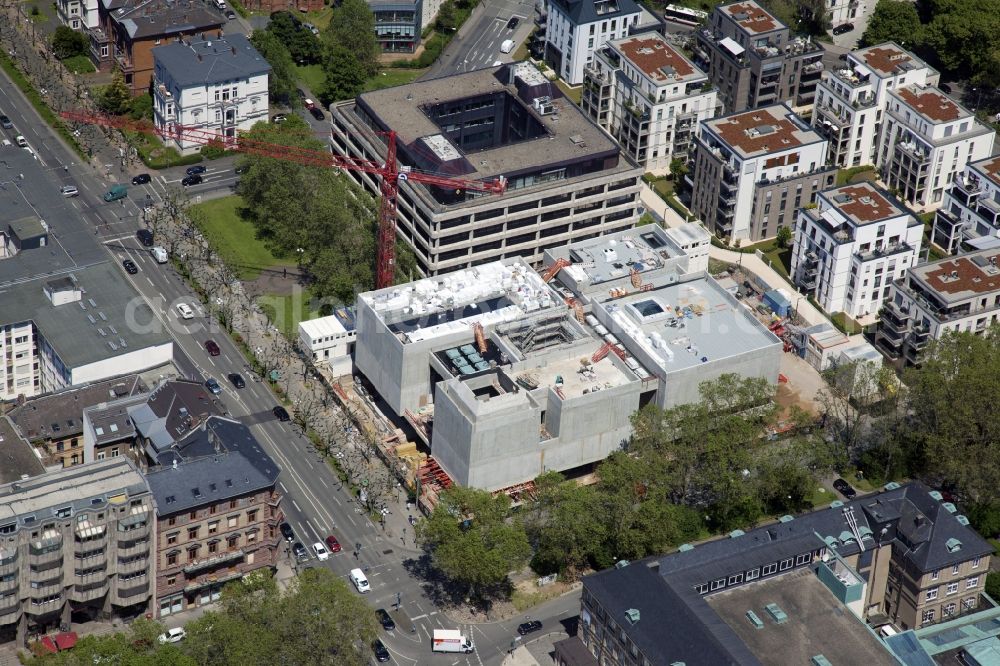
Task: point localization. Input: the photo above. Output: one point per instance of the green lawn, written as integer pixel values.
(845, 176)
(235, 238)
(574, 94)
(320, 19)
(312, 76)
(286, 312)
(79, 64)
(781, 259)
(388, 78)
(845, 323)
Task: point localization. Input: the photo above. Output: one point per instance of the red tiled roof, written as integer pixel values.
(758, 130)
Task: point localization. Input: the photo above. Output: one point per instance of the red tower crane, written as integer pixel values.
(390, 172)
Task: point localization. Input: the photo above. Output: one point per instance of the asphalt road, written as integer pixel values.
(477, 44)
(315, 504)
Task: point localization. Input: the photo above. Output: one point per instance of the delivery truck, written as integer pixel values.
(451, 640)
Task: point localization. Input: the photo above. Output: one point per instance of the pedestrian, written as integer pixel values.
(284, 272)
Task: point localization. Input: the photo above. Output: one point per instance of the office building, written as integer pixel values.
(930, 300)
(216, 86)
(927, 139)
(575, 29)
(648, 96)
(566, 178)
(330, 340)
(503, 381)
(806, 589)
(398, 24)
(217, 511)
(77, 545)
(852, 246)
(969, 216)
(851, 99)
(754, 170)
(755, 60)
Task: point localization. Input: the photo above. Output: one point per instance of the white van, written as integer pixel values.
(159, 254)
(360, 581)
(507, 46)
(220, 5)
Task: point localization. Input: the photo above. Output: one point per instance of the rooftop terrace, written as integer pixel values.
(888, 59)
(657, 59)
(863, 203)
(752, 17)
(932, 104)
(958, 278)
(762, 131)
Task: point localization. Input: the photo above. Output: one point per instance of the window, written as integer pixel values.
(252, 516)
(927, 617)
(954, 569)
(949, 609)
(754, 573)
(192, 533)
(976, 562)
(233, 521)
(785, 564)
(193, 516)
(172, 538)
(734, 579)
(972, 582)
(932, 595)
(171, 521)
(969, 604)
(193, 553)
(171, 559)
(718, 584)
(251, 536)
(171, 580)
(770, 569)
(934, 576)
(213, 527)
(213, 547)
(701, 589)
(234, 541)
(803, 558)
(952, 588)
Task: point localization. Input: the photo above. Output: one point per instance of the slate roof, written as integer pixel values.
(589, 11)
(59, 415)
(144, 19)
(219, 460)
(172, 410)
(19, 457)
(210, 61)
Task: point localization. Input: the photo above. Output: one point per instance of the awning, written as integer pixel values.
(731, 46)
(48, 644)
(66, 640)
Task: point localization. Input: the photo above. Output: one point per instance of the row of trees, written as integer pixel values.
(317, 620)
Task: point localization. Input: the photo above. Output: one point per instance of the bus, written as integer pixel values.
(685, 15)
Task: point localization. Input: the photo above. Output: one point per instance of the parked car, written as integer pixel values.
(526, 628)
(69, 191)
(5, 122)
(332, 544)
(188, 181)
(240, 169)
(279, 118)
(175, 635)
(845, 489)
(320, 551)
(386, 621)
(213, 385)
(945, 88)
(130, 267)
(141, 179)
(196, 169)
(381, 652)
(145, 237)
(300, 552)
(842, 28)
(237, 380)
(281, 413)
(512, 23)
(287, 531)
(308, 103)
(317, 113)
(301, 93)
(185, 311)
(231, 15)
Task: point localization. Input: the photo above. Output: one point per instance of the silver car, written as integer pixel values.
(69, 191)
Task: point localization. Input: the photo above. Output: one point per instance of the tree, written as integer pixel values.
(849, 399)
(570, 526)
(304, 47)
(784, 237)
(352, 27)
(67, 42)
(281, 79)
(447, 18)
(961, 36)
(115, 98)
(136, 645)
(474, 539)
(345, 75)
(893, 20)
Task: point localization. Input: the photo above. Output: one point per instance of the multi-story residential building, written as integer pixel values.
(899, 558)
(969, 216)
(566, 179)
(851, 99)
(928, 139)
(79, 14)
(932, 299)
(577, 28)
(851, 246)
(755, 60)
(217, 86)
(845, 11)
(397, 24)
(217, 511)
(129, 30)
(54, 423)
(648, 96)
(753, 170)
(77, 543)
(165, 415)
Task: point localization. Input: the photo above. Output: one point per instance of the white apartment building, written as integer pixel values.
(969, 216)
(78, 14)
(851, 99)
(845, 11)
(648, 96)
(754, 169)
(927, 139)
(933, 299)
(577, 28)
(852, 246)
(216, 86)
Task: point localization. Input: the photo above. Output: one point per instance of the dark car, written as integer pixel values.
(300, 552)
(287, 532)
(526, 628)
(5, 122)
(386, 621)
(213, 385)
(241, 169)
(317, 113)
(381, 652)
(281, 413)
(513, 22)
(842, 28)
(945, 88)
(237, 380)
(145, 237)
(212, 348)
(188, 181)
(130, 267)
(141, 179)
(302, 93)
(196, 169)
(231, 15)
(332, 544)
(845, 489)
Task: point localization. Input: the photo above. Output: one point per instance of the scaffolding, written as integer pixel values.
(554, 269)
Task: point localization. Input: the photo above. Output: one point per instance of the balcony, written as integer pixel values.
(212, 581)
(914, 151)
(45, 556)
(216, 561)
(10, 610)
(124, 62)
(89, 592)
(889, 250)
(133, 594)
(132, 566)
(46, 588)
(129, 534)
(133, 547)
(8, 561)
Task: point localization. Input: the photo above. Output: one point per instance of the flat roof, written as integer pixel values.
(28, 227)
(762, 131)
(990, 167)
(19, 457)
(932, 104)
(863, 203)
(607, 258)
(570, 376)
(322, 326)
(568, 136)
(110, 320)
(959, 278)
(657, 59)
(688, 323)
(889, 59)
(817, 624)
(752, 17)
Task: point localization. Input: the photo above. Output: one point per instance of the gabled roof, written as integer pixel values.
(172, 410)
(146, 19)
(59, 415)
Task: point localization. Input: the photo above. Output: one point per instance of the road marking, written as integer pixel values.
(150, 282)
(283, 488)
(295, 505)
(420, 617)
